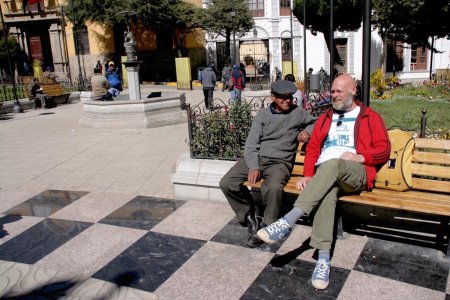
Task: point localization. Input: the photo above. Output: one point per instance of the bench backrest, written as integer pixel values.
(53, 89)
(50, 89)
(430, 165)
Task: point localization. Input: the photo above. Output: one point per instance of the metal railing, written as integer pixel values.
(7, 90)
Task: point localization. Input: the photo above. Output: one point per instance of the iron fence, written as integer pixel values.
(7, 90)
(429, 126)
(259, 83)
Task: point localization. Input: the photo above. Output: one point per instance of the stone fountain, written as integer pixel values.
(133, 111)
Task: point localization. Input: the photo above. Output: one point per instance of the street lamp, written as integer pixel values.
(233, 14)
(17, 108)
(291, 6)
(255, 35)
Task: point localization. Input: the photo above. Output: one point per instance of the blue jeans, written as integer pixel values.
(236, 95)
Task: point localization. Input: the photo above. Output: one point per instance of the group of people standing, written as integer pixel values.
(346, 145)
(233, 80)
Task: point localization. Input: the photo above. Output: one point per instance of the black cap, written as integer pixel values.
(283, 87)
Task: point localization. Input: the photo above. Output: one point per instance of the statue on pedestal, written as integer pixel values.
(130, 46)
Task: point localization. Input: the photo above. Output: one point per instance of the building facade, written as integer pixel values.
(274, 36)
(46, 35)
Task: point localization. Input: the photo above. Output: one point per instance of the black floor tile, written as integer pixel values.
(407, 263)
(150, 261)
(39, 240)
(142, 212)
(293, 281)
(45, 203)
(235, 234)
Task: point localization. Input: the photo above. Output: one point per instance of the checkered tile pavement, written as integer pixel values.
(93, 245)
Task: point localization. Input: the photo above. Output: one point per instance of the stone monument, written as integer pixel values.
(132, 63)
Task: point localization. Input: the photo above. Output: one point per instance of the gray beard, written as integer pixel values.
(343, 106)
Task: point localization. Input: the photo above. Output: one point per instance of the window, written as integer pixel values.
(256, 7)
(394, 56)
(286, 47)
(285, 7)
(36, 7)
(418, 58)
(341, 46)
(82, 41)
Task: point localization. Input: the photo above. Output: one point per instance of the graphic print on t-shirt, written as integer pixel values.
(340, 138)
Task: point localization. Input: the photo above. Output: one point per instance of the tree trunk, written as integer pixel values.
(228, 44)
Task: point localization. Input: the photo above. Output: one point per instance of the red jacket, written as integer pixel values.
(371, 140)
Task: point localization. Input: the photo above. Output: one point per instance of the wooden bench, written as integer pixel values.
(55, 92)
(430, 194)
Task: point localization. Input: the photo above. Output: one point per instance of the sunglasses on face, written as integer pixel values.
(341, 118)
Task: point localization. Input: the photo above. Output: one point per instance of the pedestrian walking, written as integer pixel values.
(208, 80)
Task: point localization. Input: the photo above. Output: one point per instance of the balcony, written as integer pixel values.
(16, 7)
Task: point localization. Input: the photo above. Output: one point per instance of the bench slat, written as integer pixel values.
(432, 144)
(397, 203)
(411, 198)
(430, 170)
(431, 158)
(297, 170)
(413, 194)
(300, 158)
(431, 185)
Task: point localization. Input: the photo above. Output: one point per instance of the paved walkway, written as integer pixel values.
(88, 213)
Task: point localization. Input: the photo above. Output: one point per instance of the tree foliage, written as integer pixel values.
(13, 50)
(170, 14)
(412, 21)
(347, 15)
(217, 18)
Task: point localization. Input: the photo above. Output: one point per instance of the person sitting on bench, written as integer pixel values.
(269, 154)
(347, 145)
(37, 91)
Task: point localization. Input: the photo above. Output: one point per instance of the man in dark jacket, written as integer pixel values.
(208, 80)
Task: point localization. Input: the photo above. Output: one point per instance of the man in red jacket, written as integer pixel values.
(347, 144)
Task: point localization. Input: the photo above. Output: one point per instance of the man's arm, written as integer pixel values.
(313, 149)
(253, 144)
(380, 149)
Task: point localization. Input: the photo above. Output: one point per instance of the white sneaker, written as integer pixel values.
(321, 275)
(274, 232)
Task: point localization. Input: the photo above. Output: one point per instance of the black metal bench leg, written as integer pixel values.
(442, 237)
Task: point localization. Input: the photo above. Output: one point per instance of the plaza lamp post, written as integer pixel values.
(366, 53)
(291, 5)
(305, 82)
(255, 35)
(331, 42)
(233, 14)
(17, 108)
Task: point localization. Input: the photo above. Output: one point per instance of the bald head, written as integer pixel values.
(342, 92)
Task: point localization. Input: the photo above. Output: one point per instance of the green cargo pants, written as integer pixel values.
(331, 177)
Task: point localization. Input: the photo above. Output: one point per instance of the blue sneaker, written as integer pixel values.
(274, 232)
(321, 275)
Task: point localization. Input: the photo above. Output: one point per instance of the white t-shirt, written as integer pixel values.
(340, 138)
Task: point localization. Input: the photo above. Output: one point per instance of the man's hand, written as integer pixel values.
(253, 175)
(351, 156)
(303, 182)
(303, 136)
